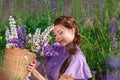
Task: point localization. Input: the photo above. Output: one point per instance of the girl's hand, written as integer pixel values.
(31, 67)
(32, 70)
(66, 76)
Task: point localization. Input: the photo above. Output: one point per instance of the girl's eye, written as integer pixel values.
(61, 32)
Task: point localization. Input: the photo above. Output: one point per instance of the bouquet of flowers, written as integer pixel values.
(16, 37)
(20, 49)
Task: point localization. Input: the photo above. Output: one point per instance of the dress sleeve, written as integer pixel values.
(79, 69)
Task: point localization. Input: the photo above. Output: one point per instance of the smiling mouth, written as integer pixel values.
(60, 41)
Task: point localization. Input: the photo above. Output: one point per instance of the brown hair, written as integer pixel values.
(69, 23)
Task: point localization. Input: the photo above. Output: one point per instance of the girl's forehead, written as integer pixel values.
(57, 28)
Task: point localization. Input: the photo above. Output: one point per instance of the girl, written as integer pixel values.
(69, 63)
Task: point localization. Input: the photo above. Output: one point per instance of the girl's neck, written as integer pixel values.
(70, 46)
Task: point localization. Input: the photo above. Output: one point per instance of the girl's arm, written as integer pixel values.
(66, 76)
(37, 75)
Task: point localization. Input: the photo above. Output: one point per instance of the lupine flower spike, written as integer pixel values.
(38, 42)
(11, 34)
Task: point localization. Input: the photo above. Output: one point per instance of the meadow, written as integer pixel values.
(98, 21)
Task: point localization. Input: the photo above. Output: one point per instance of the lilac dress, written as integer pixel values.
(78, 67)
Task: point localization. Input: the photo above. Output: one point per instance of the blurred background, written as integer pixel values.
(98, 21)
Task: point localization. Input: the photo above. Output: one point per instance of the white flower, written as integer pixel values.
(7, 34)
(11, 37)
(10, 45)
(47, 39)
(25, 57)
(47, 31)
(13, 22)
(13, 28)
(36, 36)
(29, 35)
(10, 16)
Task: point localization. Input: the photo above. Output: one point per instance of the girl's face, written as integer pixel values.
(63, 35)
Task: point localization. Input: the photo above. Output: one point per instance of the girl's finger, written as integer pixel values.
(32, 64)
(35, 61)
(30, 70)
(30, 67)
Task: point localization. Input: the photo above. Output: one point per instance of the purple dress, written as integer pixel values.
(78, 67)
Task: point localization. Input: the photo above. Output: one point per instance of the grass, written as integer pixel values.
(96, 43)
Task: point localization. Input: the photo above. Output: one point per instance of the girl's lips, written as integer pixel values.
(60, 41)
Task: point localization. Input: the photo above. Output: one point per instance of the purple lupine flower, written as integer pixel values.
(54, 50)
(21, 36)
(50, 51)
(113, 62)
(85, 10)
(113, 76)
(47, 6)
(1, 2)
(113, 26)
(12, 35)
(91, 9)
(53, 5)
(35, 5)
(101, 4)
(14, 41)
(67, 9)
(94, 72)
(40, 50)
(102, 76)
(9, 7)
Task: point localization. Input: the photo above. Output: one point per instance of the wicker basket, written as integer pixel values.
(15, 63)
(3, 76)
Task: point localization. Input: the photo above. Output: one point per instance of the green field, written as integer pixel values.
(94, 17)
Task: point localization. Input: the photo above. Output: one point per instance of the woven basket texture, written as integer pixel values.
(15, 63)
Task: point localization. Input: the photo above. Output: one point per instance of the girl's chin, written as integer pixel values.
(62, 44)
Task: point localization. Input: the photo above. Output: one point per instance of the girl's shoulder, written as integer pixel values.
(78, 67)
(79, 55)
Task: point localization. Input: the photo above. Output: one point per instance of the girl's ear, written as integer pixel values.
(73, 31)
